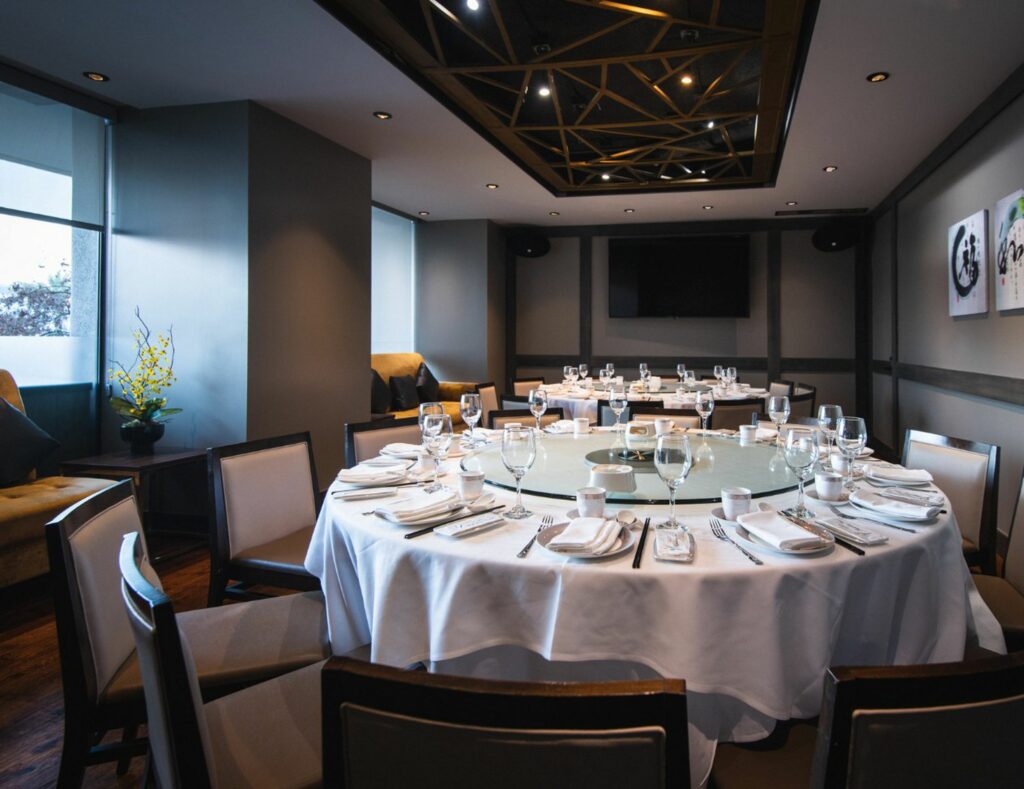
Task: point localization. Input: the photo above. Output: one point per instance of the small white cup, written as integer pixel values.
(828, 485)
(735, 502)
(471, 485)
(580, 425)
(663, 425)
(619, 380)
(590, 502)
(840, 463)
(654, 383)
(748, 435)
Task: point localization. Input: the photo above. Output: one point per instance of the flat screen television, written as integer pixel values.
(679, 277)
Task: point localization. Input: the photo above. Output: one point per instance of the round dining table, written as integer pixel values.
(752, 642)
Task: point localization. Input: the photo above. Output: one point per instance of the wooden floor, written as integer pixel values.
(31, 701)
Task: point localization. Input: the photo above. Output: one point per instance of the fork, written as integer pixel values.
(842, 514)
(546, 521)
(719, 531)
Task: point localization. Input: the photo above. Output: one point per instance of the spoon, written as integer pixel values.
(627, 518)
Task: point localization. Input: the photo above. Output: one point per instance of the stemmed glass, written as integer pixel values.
(778, 412)
(719, 372)
(673, 461)
(605, 377)
(801, 457)
(611, 369)
(645, 377)
(583, 370)
(828, 421)
(538, 400)
(471, 410)
(617, 402)
(681, 372)
(518, 451)
(689, 379)
(730, 377)
(427, 409)
(573, 375)
(565, 374)
(437, 437)
(851, 437)
(704, 403)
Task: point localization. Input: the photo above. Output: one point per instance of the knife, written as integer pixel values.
(815, 530)
(428, 529)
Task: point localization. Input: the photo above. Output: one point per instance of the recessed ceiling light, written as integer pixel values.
(553, 213)
(792, 202)
(382, 116)
(665, 177)
(424, 213)
(629, 210)
(710, 124)
(605, 177)
(473, 5)
(830, 168)
(95, 76)
(877, 76)
(707, 207)
(686, 79)
(492, 186)
(703, 172)
(687, 170)
(544, 91)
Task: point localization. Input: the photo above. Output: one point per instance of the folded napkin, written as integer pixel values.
(386, 461)
(421, 506)
(363, 493)
(870, 500)
(756, 391)
(850, 531)
(561, 426)
(890, 473)
(674, 544)
(913, 496)
(778, 532)
(365, 475)
(403, 450)
(587, 535)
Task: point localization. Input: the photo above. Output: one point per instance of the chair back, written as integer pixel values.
(513, 402)
(968, 473)
(801, 402)
(953, 724)
(522, 386)
(92, 631)
(780, 389)
(488, 401)
(470, 732)
(683, 417)
(1014, 565)
(262, 490)
(501, 418)
(365, 440)
(730, 414)
(174, 716)
(607, 416)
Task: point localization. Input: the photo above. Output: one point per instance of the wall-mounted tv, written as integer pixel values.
(679, 277)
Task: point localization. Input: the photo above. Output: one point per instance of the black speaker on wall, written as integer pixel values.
(836, 235)
(528, 244)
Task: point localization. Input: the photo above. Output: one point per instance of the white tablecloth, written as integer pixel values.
(579, 403)
(752, 643)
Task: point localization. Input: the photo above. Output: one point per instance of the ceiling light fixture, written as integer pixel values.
(553, 213)
(830, 168)
(629, 210)
(473, 5)
(710, 124)
(95, 76)
(687, 170)
(544, 91)
(605, 177)
(665, 177)
(491, 186)
(382, 116)
(424, 213)
(686, 79)
(792, 202)
(877, 76)
(633, 9)
(707, 207)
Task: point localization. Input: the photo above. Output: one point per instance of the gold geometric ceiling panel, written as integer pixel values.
(595, 96)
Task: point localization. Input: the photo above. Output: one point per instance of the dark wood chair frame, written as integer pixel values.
(222, 569)
(523, 413)
(351, 428)
(152, 609)
(86, 718)
(525, 705)
(757, 405)
(985, 555)
(906, 687)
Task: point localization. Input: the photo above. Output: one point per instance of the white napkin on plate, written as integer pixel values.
(561, 426)
(421, 506)
(401, 450)
(587, 535)
(386, 461)
(913, 496)
(363, 493)
(366, 475)
(897, 474)
(870, 500)
(778, 532)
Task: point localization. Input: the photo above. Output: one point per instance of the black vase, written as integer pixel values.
(141, 436)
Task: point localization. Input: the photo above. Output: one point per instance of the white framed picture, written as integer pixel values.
(966, 265)
(1008, 222)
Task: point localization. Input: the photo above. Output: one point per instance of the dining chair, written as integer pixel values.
(522, 386)
(488, 401)
(234, 645)
(513, 402)
(463, 732)
(780, 388)
(730, 414)
(801, 402)
(498, 419)
(968, 473)
(265, 735)
(264, 495)
(364, 440)
(1004, 595)
(896, 727)
(683, 417)
(606, 416)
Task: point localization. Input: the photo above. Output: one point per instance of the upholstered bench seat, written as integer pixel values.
(448, 393)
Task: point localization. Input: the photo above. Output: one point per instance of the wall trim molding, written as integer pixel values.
(749, 363)
(991, 387)
(51, 89)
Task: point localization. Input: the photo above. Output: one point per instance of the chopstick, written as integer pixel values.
(640, 545)
(428, 529)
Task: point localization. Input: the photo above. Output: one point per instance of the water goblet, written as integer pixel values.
(437, 437)
(583, 370)
(611, 369)
(690, 379)
(778, 412)
(801, 457)
(573, 375)
(617, 402)
(518, 451)
(471, 410)
(851, 437)
(719, 372)
(704, 403)
(645, 378)
(681, 372)
(673, 461)
(565, 374)
(604, 377)
(538, 400)
(730, 376)
(828, 420)
(425, 410)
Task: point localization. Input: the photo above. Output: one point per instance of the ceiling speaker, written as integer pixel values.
(836, 236)
(526, 244)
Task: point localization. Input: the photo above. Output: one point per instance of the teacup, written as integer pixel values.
(663, 425)
(840, 463)
(828, 485)
(735, 502)
(580, 425)
(471, 485)
(654, 383)
(614, 477)
(590, 502)
(748, 435)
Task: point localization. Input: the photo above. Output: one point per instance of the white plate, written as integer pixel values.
(755, 542)
(719, 513)
(812, 493)
(622, 544)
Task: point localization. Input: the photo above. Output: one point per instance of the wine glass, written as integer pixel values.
(565, 374)
(730, 376)
(801, 457)
(673, 461)
(681, 372)
(617, 402)
(604, 376)
(429, 408)
(583, 370)
(471, 410)
(437, 437)
(719, 371)
(851, 437)
(573, 375)
(518, 451)
(645, 377)
(828, 420)
(704, 403)
(611, 369)
(778, 412)
(690, 379)
(538, 400)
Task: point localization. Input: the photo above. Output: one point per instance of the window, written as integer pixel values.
(391, 286)
(51, 227)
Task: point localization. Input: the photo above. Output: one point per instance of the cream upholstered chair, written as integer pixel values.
(463, 733)
(968, 473)
(266, 735)
(499, 419)
(488, 401)
(515, 402)
(364, 440)
(607, 416)
(1005, 595)
(730, 414)
(802, 401)
(683, 417)
(233, 645)
(522, 386)
(780, 388)
(264, 496)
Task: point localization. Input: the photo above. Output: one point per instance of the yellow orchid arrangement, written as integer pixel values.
(143, 382)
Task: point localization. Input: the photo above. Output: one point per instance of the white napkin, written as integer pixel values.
(363, 493)
(386, 461)
(778, 532)
(421, 506)
(366, 475)
(587, 535)
(913, 496)
(756, 391)
(897, 474)
(403, 450)
(674, 544)
(898, 509)
(561, 426)
(852, 532)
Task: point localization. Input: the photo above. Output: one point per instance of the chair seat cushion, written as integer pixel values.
(285, 554)
(242, 642)
(781, 762)
(1006, 602)
(25, 509)
(268, 735)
